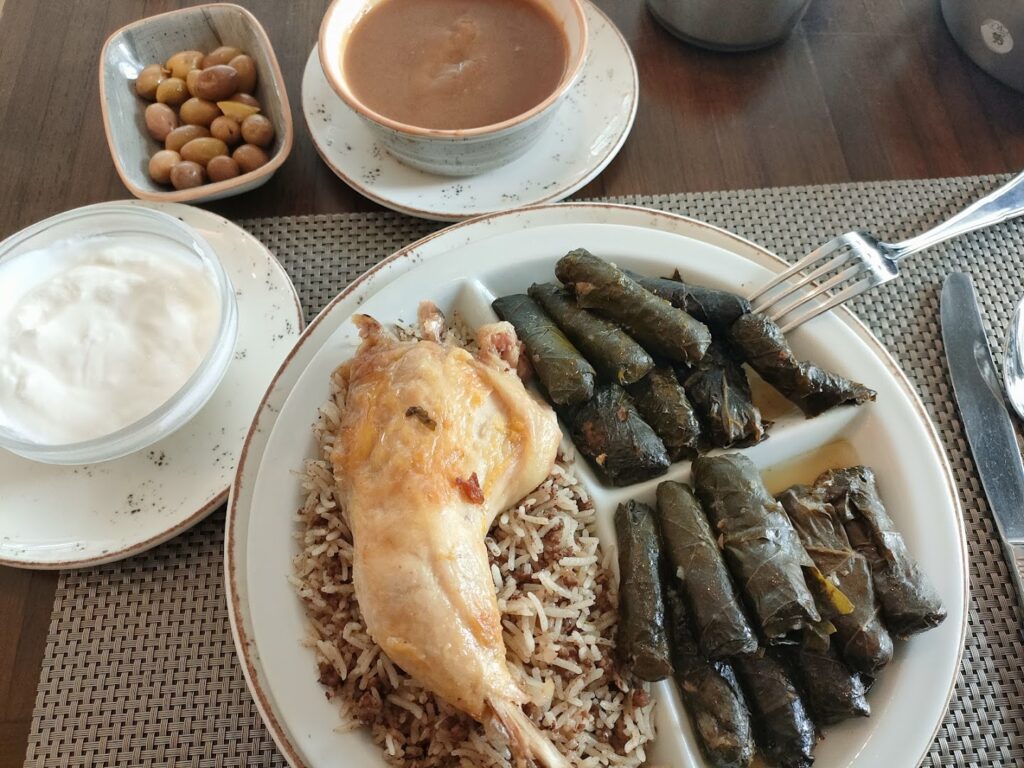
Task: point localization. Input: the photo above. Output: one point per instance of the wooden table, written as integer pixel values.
(865, 90)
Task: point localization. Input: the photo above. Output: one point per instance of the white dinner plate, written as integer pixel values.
(586, 133)
(71, 516)
(462, 268)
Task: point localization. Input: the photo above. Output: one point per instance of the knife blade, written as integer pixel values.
(987, 423)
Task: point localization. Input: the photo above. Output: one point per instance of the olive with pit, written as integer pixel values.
(160, 121)
(161, 164)
(258, 130)
(246, 69)
(149, 79)
(203, 150)
(221, 55)
(190, 81)
(187, 174)
(222, 168)
(227, 130)
(197, 111)
(172, 91)
(184, 62)
(249, 157)
(183, 134)
(245, 98)
(216, 83)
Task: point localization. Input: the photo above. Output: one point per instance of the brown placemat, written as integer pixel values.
(140, 668)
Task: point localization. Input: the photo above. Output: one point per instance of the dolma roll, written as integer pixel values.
(642, 639)
(832, 691)
(860, 637)
(661, 328)
(782, 728)
(611, 350)
(608, 430)
(662, 402)
(813, 389)
(716, 618)
(716, 309)
(710, 693)
(566, 375)
(720, 392)
(762, 549)
(909, 602)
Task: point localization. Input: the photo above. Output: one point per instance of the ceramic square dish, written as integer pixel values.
(154, 40)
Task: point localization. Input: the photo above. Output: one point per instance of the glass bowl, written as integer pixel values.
(114, 220)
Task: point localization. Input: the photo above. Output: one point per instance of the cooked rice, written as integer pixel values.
(557, 596)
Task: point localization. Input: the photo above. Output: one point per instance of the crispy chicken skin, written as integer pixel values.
(434, 442)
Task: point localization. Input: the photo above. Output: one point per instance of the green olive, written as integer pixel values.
(246, 69)
(160, 121)
(184, 62)
(199, 112)
(216, 83)
(245, 98)
(190, 81)
(222, 168)
(172, 91)
(187, 174)
(249, 157)
(160, 165)
(227, 130)
(221, 55)
(203, 150)
(258, 130)
(148, 80)
(183, 134)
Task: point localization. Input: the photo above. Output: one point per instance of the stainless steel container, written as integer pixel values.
(729, 25)
(991, 32)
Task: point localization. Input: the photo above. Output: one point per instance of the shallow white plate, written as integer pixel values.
(67, 517)
(586, 133)
(462, 268)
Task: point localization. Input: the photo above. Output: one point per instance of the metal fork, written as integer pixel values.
(857, 261)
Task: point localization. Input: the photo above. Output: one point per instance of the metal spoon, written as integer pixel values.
(1013, 361)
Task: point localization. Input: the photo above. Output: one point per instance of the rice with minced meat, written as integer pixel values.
(556, 593)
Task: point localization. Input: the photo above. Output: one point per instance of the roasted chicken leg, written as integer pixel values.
(433, 443)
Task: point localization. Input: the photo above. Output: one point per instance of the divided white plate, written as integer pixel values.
(463, 268)
(68, 517)
(586, 133)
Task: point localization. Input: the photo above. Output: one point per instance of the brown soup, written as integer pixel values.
(453, 64)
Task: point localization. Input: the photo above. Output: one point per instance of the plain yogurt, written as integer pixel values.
(97, 333)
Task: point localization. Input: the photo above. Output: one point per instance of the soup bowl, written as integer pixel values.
(454, 152)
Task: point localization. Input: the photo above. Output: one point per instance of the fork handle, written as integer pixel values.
(1007, 202)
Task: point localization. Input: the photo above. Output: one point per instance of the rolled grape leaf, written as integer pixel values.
(611, 350)
(783, 729)
(860, 637)
(566, 375)
(716, 309)
(813, 389)
(909, 602)
(642, 640)
(710, 693)
(831, 690)
(662, 402)
(661, 328)
(717, 620)
(762, 549)
(608, 430)
(720, 392)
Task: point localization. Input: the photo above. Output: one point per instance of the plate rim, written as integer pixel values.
(440, 215)
(178, 210)
(241, 633)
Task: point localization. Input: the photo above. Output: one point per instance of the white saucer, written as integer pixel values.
(587, 132)
(66, 517)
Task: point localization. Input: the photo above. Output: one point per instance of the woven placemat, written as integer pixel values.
(140, 668)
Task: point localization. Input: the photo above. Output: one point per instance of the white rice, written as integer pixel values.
(557, 596)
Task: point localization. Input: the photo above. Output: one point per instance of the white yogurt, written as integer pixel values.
(96, 333)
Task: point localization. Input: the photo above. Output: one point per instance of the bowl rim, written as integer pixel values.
(203, 191)
(102, 448)
(569, 78)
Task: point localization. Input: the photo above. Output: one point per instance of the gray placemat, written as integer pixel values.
(140, 668)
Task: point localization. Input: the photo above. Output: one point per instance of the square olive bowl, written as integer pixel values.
(153, 40)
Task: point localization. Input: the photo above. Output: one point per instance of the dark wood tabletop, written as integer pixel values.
(864, 90)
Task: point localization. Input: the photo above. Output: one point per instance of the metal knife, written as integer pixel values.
(986, 421)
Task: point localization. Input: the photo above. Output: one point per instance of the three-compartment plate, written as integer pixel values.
(462, 269)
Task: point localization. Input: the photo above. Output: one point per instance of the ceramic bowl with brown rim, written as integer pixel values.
(153, 40)
(453, 152)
